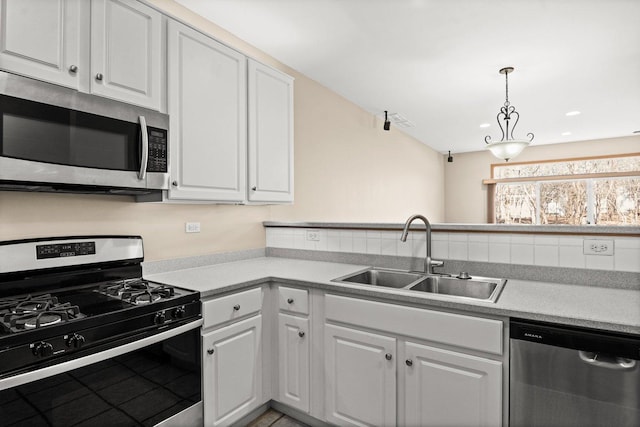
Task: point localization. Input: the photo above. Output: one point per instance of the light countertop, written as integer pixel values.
(587, 306)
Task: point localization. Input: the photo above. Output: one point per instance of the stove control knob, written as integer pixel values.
(160, 318)
(74, 341)
(178, 313)
(42, 349)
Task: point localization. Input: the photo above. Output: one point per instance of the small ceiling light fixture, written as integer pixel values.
(387, 123)
(450, 158)
(485, 125)
(572, 113)
(566, 133)
(508, 147)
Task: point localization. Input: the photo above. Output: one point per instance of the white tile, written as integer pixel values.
(388, 247)
(374, 245)
(299, 240)
(545, 240)
(499, 238)
(458, 250)
(346, 242)
(346, 233)
(546, 255)
(360, 245)
(522, 239)
(570, 241)
(333, 233)
(404, 248)
(571, 256)
(419, 246)
(322, 245)
(310, 245)
(478, 251)
(440, 236)
(458, 237)
(521, 254)
(499, 252)
(627, 243)
(627, 259)
(333, 243)
(478, 237)
(394, 235)
(371, 234)
(598, 262)
(440, 249)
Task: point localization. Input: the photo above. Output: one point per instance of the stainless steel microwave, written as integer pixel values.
(57, 139)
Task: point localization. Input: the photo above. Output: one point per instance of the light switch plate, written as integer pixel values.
(192, 227)
(313, 235)
(598, 247)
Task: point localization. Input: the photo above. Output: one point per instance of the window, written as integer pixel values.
(602, 190)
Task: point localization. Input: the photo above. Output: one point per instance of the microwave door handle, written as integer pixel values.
(142, 173)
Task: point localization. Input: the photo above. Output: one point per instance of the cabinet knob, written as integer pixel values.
(301, 334)
(254, 188)
(99, 77)
(388, 356)
(211, 351)
(236, 307)
(174, 183)
(409, 362)
(290, 300)
(73, 68)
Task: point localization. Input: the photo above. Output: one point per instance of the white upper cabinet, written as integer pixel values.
(126, 43)
(208, 109)
(111, 48)
(270, 135)
(42, 39)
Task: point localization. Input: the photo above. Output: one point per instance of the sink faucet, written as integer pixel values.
(429, 263)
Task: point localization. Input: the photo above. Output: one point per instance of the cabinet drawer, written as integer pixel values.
(469, 332)
(293, 299)
(231, 307)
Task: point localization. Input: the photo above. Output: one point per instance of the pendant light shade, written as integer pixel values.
(508, 147)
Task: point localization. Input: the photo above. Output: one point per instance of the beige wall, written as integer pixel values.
(466, 196)
(346, 169)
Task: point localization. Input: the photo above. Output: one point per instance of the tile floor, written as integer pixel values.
(273, 418)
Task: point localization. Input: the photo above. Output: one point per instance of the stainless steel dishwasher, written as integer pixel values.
(565, 376)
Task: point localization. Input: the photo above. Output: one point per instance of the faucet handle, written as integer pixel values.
(436, 263)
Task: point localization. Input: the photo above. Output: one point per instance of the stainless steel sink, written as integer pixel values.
(382, 277)
(477, 288)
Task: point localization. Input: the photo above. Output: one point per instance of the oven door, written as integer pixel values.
(154, 381)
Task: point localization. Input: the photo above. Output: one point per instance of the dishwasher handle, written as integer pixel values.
(609, 362)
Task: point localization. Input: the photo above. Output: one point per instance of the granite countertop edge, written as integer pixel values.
(519, 299)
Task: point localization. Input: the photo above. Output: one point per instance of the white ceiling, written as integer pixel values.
(436, 62)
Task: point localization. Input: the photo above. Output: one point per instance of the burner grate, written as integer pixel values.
(32, 312)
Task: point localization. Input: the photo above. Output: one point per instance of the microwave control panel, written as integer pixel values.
(157, 150)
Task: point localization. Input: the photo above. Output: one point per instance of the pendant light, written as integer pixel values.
(508, 147)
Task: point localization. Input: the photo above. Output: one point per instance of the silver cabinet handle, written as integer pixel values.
(388, 356)
(236, 307)
(99, 77)
(409, 362)
(73, 68)
(211, 351)
(254, 188)
(301, 334)
(142, 173)
(174, 183)
(609, 362)
(290, 300)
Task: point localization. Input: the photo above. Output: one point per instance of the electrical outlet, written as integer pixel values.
(598, 247)
(313, 235)
(192, 227)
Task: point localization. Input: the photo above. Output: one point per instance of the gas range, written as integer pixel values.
(64, 298)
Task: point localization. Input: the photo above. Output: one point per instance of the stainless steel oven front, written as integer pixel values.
(154, 381)
(61, 138)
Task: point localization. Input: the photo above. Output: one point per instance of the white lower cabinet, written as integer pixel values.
(360, 377)
(294, 361)
(232, 371)
(446, 388)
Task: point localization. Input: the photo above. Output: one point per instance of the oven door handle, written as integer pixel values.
(70, 365)
(609, 362)
(142, 173)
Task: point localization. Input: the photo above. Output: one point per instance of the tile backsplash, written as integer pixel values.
(528, 249)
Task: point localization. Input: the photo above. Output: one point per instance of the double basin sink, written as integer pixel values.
(477, 288)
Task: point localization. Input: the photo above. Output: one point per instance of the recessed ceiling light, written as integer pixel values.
(573, 113)
(485, 125)
(566, 133)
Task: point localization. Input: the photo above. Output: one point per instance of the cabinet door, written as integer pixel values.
(207, 104)
(270, 134)
(360, 377)
(446, 388)
(41, 39)
(126, 46)
(232, 370)
(293, 361)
